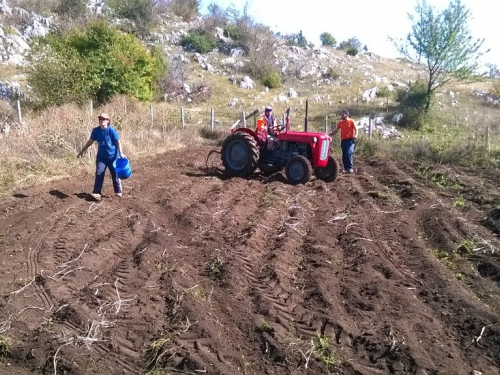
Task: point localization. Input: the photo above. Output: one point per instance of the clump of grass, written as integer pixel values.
(265, 328)
(377, 194)
(460, 202)
(156, 351)
(466, 246)
(450, 259)
(215, 267)
(5, 346)
(323, 352)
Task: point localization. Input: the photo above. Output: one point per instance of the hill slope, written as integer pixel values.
(191, 272)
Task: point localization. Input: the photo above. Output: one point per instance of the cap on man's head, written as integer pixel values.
(104, 116)
(268, 109)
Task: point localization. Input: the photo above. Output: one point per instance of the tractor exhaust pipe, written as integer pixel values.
(306, 119)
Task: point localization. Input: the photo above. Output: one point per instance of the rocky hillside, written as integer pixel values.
(327, 76)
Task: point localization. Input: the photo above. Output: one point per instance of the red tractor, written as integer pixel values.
(300, 153)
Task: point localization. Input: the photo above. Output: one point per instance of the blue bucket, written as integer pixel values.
(122, 167)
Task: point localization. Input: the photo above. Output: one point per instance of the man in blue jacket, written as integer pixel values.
(109, 148)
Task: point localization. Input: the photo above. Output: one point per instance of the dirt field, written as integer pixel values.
(392, 270)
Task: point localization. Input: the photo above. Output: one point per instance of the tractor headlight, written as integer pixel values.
(315, 139)
(325, 150)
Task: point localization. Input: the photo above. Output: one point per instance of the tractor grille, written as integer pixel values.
(325, 149)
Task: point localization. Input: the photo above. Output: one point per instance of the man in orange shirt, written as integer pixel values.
(348, 133)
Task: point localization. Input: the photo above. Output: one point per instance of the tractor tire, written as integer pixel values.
(240, 154)
(269, 169)
(330, 172)
(298, 170)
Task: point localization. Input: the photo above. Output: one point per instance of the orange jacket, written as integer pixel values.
(347, 128)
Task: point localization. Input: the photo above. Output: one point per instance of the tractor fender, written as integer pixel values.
(259, 141)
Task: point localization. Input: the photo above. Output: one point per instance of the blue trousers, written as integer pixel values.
(100, 170)
(347, 146)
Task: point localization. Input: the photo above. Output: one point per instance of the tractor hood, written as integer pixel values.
(303, 136)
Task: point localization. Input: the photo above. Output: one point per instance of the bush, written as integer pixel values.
(140, 12)
(352, 43)
(352, 51)
(412, 104)
(272, 80)
(96, 63)
(186, 9)
(72, 8)
(495, 88)
(199, 40)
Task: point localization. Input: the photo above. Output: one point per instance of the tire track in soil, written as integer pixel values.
(217, 211)
(397, 242)
(106, 223)
(263, 258)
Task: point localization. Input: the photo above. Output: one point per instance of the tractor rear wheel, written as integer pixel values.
(240, 154)
(298, 170)
(330, 172)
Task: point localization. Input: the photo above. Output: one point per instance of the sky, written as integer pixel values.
(370, 21)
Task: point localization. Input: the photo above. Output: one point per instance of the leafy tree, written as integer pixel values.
(297, 39)
(98, 62)
(493, 71)
(327, 40)
(442, 40)
(350, 44)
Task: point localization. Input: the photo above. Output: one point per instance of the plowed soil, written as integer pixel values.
(392, 270)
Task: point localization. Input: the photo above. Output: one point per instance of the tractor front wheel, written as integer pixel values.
(330, 172)
(298, 170)
(240, 154)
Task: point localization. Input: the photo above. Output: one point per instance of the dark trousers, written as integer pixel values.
(100, 170)
(347, 146)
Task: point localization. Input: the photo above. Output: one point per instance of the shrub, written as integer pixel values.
(352, 51)
(44, 8)
(260, 46)
(352, 43)
(412, 104)
(199, 40)
(96, 63)
(272, 80)
(140, 12)
(186, 9)
(495, 88)
(71, 8)
(332, 73)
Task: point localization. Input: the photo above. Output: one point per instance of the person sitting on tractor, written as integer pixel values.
(266, 125)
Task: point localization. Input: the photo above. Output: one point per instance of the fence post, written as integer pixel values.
(488, 146)
(369, 128)
(151, 113)
(91, 109)
(182, 117)
(19, 115)
(244, 119)
(326, 124)
(255, 120)
(212, 118)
